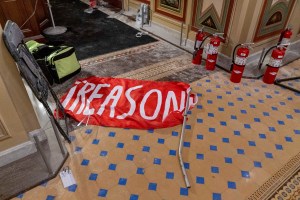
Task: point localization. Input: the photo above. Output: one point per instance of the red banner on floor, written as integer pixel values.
(127, 103)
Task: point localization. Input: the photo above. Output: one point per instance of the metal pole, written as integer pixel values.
(39, 148)
(150, 16)
(123, 7)
(187, 34)
(187, 183)
(54, 30)
(57, 136)
(142, 7)
(181, 30)
(51, 15)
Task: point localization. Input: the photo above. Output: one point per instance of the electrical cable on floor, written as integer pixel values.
(35, 6)
(141, 33)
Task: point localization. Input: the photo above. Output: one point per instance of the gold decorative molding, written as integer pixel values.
(282, 176)
(4, 134)
(273, 18)
(174, 9)
(214, 15)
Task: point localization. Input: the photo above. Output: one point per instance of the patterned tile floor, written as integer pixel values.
(236, 138)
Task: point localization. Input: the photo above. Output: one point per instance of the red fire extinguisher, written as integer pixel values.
(239, 62)
(198, 50)
(197, 56)
(93, 3)
(285, 37)
(212, 52)
(274, 64)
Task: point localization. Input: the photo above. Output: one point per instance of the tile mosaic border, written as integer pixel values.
(278, 180)
(159, 70)
(290, 191)
(119, 54)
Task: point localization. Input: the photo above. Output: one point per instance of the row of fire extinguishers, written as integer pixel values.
(211, 49)
(240, 55)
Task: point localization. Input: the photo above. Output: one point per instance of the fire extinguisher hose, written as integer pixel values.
(233, 55)
(204, 40)
(264, 57)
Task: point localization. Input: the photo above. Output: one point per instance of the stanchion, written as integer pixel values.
(54, 30)
(143, 14)
(40, 150)
(57, 136)
(181, 30)
(187, 183)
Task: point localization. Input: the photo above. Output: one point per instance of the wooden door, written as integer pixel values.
(42, 14)
(19, 11)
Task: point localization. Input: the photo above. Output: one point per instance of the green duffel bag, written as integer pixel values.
(40, 52)
(58, 63)
(63, 63)
(33, 45)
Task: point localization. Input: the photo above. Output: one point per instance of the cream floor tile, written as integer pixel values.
(246, 186)
(117, 156)
(227, 150)
(243, 162)
(143, 159)
(108, 179)
(150, 195)
(118, 192)
(231, 194)
(155, 173)
(165, 190)
(216, 183)
(259, 175)
(159, 150)
(126, 169)
(172, 142)
(230, 172)
(133, 147)
(137, 184)
(100, 164)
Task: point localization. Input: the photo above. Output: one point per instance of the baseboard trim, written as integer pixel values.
(17, 152)
(22, 150)
(224, 62)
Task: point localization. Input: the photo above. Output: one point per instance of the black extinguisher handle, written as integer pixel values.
(264, 57)
(195, 44)
(233, 55)
(248, 45)
(204, 40)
